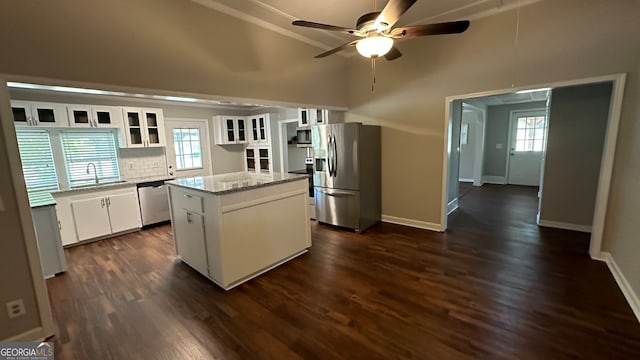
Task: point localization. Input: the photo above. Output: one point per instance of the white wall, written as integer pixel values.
(468, 150)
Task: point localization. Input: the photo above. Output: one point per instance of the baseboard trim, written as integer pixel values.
(466, 180)
(452, 206)
(499, 180)
(411, 223)
(35, 334)
(621, 280)
(565, 226)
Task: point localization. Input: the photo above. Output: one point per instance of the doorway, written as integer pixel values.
(188, 149)
(527, 141)
(568, 153)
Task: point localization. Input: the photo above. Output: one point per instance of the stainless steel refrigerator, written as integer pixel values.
(347, 174)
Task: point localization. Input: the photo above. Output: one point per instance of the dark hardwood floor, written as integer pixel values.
(495, 286)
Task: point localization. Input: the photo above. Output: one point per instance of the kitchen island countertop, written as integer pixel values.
(234, 182)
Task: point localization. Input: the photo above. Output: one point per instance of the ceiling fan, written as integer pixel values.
(378, 34)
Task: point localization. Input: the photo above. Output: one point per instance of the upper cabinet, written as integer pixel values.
(31, 113)
(144, 127)
(309, 117)
(230, 130)
(94, 116)
(260, 129)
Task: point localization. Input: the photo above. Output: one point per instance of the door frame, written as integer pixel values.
(481, 129)
(512, 115)
(206, 139)
(284, 150)
(608, 154)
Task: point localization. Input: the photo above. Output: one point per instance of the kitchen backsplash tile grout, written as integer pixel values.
(142, 163)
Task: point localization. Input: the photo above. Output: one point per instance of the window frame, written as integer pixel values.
(109, 165)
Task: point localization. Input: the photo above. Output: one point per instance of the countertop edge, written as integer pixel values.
(246, 188)
(94, 188)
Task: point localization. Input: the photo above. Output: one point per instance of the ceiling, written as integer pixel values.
(511, 98)
(277, 15)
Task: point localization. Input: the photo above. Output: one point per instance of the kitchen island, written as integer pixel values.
(234, 227)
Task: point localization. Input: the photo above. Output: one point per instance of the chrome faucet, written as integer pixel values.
(95, 172)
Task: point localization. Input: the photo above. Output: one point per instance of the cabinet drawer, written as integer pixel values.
(187, 201)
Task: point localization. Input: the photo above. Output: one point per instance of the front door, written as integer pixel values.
(528, 132)
(188, 150)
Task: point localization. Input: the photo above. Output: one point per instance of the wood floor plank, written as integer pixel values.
(494, 286)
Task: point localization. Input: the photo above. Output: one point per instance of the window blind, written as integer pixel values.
(38, 167)
(81, 149)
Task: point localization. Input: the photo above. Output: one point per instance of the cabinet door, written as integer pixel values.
(21, 113)
(49, 114)
(107, 116)
(91, 217)
(229, 131)
(154, 127)
(263, 133)
(190, 239)
(250, 159)
(124, 212)
(303, 117)
(134, 127)
(241, 128)
(264, 154)
(322, 116)
(254, 130)
(80, 116)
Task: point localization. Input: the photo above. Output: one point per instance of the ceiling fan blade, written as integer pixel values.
(315, 25)
(393, 54)
(339, 48)
(393, 10)
(453, 27)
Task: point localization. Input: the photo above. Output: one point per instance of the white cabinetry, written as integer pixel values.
(188, 226)
(32, 113)
(230, 130)
(258, 159)
(95, 116)
(50, 249)
(95, 213)
(260, 129)
(310, 116)
(144, 127)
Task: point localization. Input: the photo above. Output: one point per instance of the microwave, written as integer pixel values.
(304, 137)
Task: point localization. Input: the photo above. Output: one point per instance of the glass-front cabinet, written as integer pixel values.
(258, 159)
(260, 128)
(144, 127)
(230, 130)
(32, 113)
(95, 116)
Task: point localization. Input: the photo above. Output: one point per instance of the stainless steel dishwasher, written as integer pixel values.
(154, 202)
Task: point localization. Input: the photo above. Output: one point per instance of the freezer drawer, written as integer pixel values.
(338, 207)
(154, 204)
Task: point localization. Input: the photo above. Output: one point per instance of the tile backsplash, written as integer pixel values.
(142, 163)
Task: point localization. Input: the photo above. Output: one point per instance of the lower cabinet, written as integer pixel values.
(192, 247)
(95, 213)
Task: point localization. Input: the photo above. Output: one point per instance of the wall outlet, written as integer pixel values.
(130, 165)
(498, 146)
(16, 308)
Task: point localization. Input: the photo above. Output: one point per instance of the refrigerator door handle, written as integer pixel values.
(330, 155)
(335, 157)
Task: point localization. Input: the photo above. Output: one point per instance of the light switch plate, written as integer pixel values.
(498, 146)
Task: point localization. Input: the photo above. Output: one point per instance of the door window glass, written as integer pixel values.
(186, 142)
(530, 133)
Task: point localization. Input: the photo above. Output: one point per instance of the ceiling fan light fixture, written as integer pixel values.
(374, 46)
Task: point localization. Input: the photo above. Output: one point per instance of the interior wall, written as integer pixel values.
(497, 136)
(17, 281)
(621, 226)
(557, 42)
(468, 150)
(577, 126)
(166, 45)
(296, 154)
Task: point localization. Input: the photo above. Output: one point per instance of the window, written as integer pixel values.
(37, 162)
(530, 133)
(82, 149)
(187, 145)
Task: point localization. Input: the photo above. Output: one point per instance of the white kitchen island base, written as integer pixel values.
(234, 227)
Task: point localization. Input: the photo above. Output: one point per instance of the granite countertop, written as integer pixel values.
(41, 199)
(234, 182)
(96, 187)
